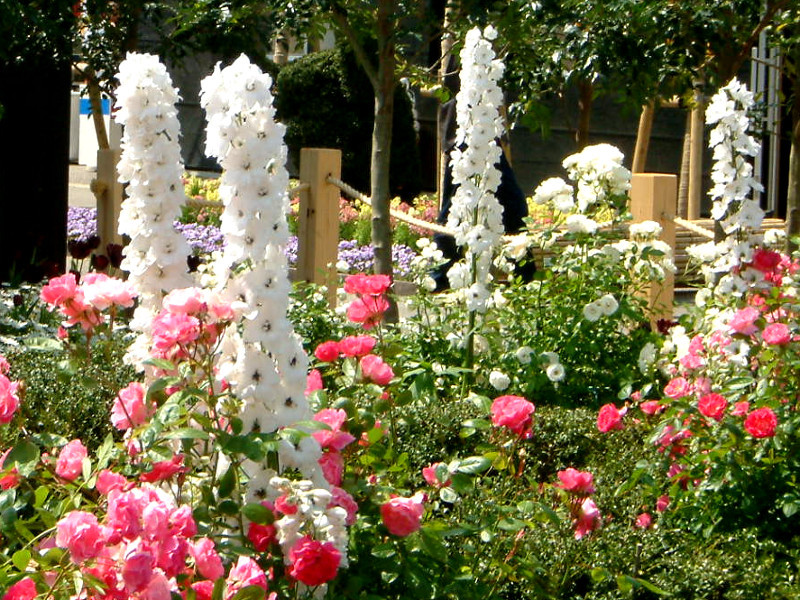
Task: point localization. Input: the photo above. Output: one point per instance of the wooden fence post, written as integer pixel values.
(653, 198)
(108, 194)
(318, 226)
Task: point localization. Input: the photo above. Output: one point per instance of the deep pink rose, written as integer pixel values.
(651, 407)
(609, 418)
(313, 382)
(24, 589)
(588, 518)
(81, 534)
(332, 465)
(740, 408)
(327, 351)
(11, 478)
(206, 558)
(644, 521)
(662, 503)
(403, 516)
(137, 570)
(261, 536)
(357, 345)
(164, 469)
(678, 387)
(334, 437)
(712, 406)
(580, 483)
(367, 310)
(108, 480)
(343, 499)
(744, 321)
(70, 460)
(374, 369)
(370, 285)
(181, 522)
(765, 260)
(130, 407)
(777, 334)
(9, 401)
(515, 413)
(429, 474)
(312, 562)
(244, 573)
(761, 423)
(204, 589)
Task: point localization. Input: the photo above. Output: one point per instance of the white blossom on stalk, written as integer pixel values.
(263, 360)
(150, 163)
(476, 214)
(600, 177)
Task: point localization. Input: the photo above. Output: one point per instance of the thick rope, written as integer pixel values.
(694, 228)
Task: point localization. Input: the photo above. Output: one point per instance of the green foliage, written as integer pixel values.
(325, 101)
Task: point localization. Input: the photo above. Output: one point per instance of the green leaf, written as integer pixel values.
(160, 363)
(448, 494)
(599, 574)
(625, 583)
(251, 592)
(187, 433)
(258, 513)
(432, 545)
(477, 424)
(482, 402)
(384, 550)
(42, 343)
(23, 453)
(21, 558)
(474, 465)
(227, 482)
(649, 586)
(219, 589)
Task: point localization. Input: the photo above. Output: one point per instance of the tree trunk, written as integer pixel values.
(643, 137)
(683, 180)
(586, 91)
(793, 192)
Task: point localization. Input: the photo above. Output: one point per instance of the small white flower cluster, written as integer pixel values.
(263, 360)
(553, 368)
(556, 192)
(604, 306)
(476, 214)
(645, 231)
(314, 517)
(499, 380)
(150, 163)
(645, 257)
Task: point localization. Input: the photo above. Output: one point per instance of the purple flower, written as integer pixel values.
(81, 223)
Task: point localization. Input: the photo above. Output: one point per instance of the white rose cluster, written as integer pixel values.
(600, 177)
(263, 359)
(150, 163)
(476, 214)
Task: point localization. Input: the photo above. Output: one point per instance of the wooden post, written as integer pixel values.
(108, 194)
(318, 226)
(653, 198)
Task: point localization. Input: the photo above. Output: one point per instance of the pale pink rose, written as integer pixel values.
(712, 406)
(343, 499)
(609, 418)
(171, 330)
(108, 480)
(374, 369)
(740, 408)
(514, 413)
(429, 475)
(588, 518)
(81, 534)
(580, 483)
(187, 301)
(357, 345)
(9, 401)
(24, 589)
(743, 321)
(102, 291)
(651, 407)
(158, 589)
(137, 569)
(69, 464)
(691, 361)
(403, 516)
(777, 334)
(761, 423)
(701, 386)
(244, 573)
(332, 465)
(644, 521)
(334, 437)
(678, 387)
(60, 290)
(206, 558)
(130, 407)
(313, 562)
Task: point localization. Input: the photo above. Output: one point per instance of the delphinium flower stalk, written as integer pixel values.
(150, 163)
(263, 360)
(476, 214)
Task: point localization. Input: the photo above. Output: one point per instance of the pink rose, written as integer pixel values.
(644, 521)
(662, 503)
(777, 334)
(81, 534)
(102, 291)
(332, 465)
(261, 536)
(678, 387)
(187, 301)
(765, 260)
(651, 407)
(334, 437)
(514, 413)
(60, 290)
(370, 285)
(203, 590)
(743, 321)
(761, 423)
(327, 351)
(313, 382)
(588, 518)
(374, 369)
(429, 473)
(341, 498)
(108, 480)
(312, 562)
(206, 558)
(712, 406)
(9, 476)
(367, 310)
(403, 516)
(244, 573)
(609, 418)
(9, 401)
(181, 522)
(130, 407)
(170, 331)
(24, 589)
(137, 570)
(164, 469)
(70, 460)
(580, 483)
(357, 345)
(740, 408)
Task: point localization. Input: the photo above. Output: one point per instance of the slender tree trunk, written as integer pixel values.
(586, 91)
(643, 137)
(793, 192)
(446, 49)
(96, 102)
(683, 180)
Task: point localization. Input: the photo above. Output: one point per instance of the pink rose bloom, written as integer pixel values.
(765, 260)
(124, 512)
(334, 437)
(588, 518)
(203, 590)
(740, 408)
(24, 589)
(9, 401)
(261, 536)
(357, 345)
(609, 418)
(662, 503)
(158, 589)
(11, 477)
(374, 369)
(332, 465)
(283, 506)
(367, 310)
(102, 291)
(244, 573)
(59, 290)
(130, 409)
(515, 413)
(341, 498)
(761, 423)
(777, 334)
(313, 382)
(580, 483)
(644, 521)
(678, 387)
(327, 351)
(429, 474)
(743, 321)
(171, 330)
(181, 522)
(370, 285)
(403, 516)
(108, 480)
(691, 361)
(70, 460)
(312, 562)
(81, 534)
(137, 570)
(651, 407)
(712, 406)
(164, 469)
(206, 558)
(186, 301)
(701, 386)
